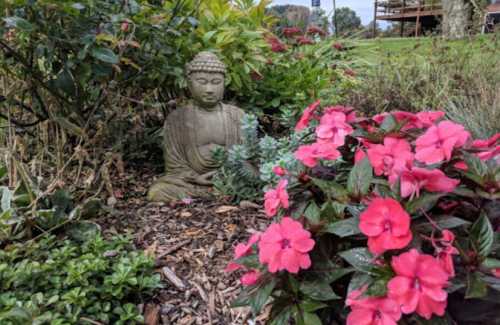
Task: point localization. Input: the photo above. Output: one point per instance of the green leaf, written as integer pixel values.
(19, 23)
(312, 305)
(208, 35)
(105, 55)
(344, 228)
(312, 213)
(491, 263)
(280, 315)
(360, 258)
(243, 299)
(332, 210)
(261, 296)
(332, 189)
(477, 169)
(482, 235)
(332, 276)
(3, 171)
(360, 178)
(377, 288)
(359, 280)
(311, 319)
(389, 123)
(6, 198)
(318, 290)
(423, 203)
(476, 287)
(444, 222)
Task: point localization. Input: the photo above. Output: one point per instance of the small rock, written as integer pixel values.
(166, 308)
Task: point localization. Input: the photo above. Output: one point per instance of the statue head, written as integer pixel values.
(205, 74)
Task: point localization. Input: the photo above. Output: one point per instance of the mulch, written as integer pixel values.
(192, 243)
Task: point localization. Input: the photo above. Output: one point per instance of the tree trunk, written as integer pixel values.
(456, 15)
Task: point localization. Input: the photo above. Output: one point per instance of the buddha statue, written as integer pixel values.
(194, 130)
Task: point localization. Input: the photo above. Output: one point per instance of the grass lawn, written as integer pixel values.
(373, 50)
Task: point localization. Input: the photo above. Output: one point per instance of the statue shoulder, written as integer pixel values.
(233, 109)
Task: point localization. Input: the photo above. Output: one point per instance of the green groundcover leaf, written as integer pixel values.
(360, 258)
(360, 178)
(344, 228)
(318, 290)
(482, 235)
(105, 55)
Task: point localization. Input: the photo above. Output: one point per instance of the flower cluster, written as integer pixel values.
(402, 200)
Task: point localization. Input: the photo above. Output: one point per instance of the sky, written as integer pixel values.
(364, 8)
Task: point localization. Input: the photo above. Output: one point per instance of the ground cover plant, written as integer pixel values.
(390, 219)
(54, 281)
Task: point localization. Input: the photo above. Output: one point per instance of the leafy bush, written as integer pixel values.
(393, 217)
(67, 282)
(317, 72)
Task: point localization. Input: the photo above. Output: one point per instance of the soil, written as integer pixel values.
(192, 242)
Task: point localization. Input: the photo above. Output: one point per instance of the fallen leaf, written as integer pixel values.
(225, 209)
(152, 315)
(151, 249)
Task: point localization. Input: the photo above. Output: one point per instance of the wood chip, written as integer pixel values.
(152, 315)
(225, 209)
(174, 279)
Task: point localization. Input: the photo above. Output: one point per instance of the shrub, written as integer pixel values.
(317, 69)
(390, 218)
(67, 282)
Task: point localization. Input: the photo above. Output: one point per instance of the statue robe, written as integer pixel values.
(183, 160)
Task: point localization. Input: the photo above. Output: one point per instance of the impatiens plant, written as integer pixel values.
(393, 219)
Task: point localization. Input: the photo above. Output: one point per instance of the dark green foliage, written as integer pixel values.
(65, 282)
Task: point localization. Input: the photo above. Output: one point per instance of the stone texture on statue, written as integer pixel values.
(194, 130)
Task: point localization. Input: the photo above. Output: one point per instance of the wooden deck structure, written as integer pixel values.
(425, 13)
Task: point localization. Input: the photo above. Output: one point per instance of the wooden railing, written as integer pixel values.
(398, 8)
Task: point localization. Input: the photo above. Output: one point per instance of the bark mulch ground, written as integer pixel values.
(192, 243)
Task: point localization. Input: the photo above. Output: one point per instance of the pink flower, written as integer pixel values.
(486, 143)
(284, 246)
(359, 155)
(276, 44)
(391, 158)
(431, 180)
(438, 142)
(496, 272)
(279, 171)
(242, 250)
(445, 252)
(290, 31)
(410, 120)
(348, 111)
(303, 40)
(250, 278)
(418, 284)
(306, 116)
(338, 46)
(333, 128)
(315, 30)
(372, 310)
(309, 154)
(276, 197)
(386, 224)
(427, 119)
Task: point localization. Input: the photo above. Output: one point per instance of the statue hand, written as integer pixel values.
(205, 179)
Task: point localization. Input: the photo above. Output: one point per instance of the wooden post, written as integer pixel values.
(402, 21)
(417, 25)
(374, 32)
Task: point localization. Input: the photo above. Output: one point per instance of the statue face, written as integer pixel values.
(207, 88)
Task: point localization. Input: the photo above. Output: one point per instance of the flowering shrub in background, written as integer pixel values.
(391, 219)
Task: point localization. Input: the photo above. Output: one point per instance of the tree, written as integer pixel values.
(347, 21)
